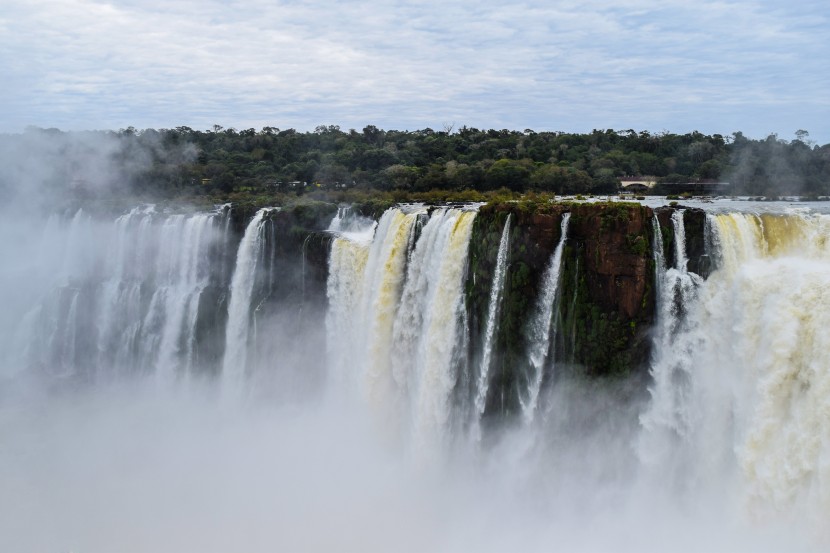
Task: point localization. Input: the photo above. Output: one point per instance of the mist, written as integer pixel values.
(125, 427)
(774, 167)
(42, 168)
(130, 468)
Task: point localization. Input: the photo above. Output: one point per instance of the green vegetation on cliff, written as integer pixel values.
(605, 293)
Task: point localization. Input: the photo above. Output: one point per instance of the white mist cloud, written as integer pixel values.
(130, 468)
(715, 66)
(39, 166)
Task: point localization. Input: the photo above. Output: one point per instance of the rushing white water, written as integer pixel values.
(493, 308)
(125, 295)
(728, 453)
(393, 321)
(366, 279)
(681, 260)
(185, 276)
(542, 327)
(347, 222)
(345, 292)
(659, 256)
(779, 294)
(668, 421)
(756, 384)
(239, 310)
(383, 284)
(431, 373)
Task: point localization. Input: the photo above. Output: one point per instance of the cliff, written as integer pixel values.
(605, 301)
(607, 285)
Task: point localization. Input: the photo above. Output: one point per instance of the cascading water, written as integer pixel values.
(681, 260)
(432, 376)
(239, 310)
(753, 354)
(383, 284)
(542, 327)
(345, 292)
(734, 431)
(659, 256)
(129, 302)
(180, 264)
(349, 223)
(496, 291)
(394, 314)
(668, 419)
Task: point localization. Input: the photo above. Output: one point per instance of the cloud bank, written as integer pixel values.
(714, 66)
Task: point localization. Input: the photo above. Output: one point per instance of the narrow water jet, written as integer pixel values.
(541, 327)
(239, 309)
(493, 308)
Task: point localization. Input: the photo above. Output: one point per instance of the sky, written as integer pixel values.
(755, 66)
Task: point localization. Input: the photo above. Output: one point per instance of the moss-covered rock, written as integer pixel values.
(606, 289)
(533, 237)
(605, 296)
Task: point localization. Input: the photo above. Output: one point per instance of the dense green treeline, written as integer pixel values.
(219, 161)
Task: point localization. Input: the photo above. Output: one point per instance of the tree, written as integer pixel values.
(373, 135)
(331, 173)
(803, 136)
(709, 170)
(224, 182)
(605, 183)
(400, 176)
(509, 173)
(376, 159)
(560, 180)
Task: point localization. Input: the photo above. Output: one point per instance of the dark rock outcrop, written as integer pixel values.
(606, 302)
(694, 224)
(605, 296)
(607, 289)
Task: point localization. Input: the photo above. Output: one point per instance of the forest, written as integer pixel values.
(221, 161)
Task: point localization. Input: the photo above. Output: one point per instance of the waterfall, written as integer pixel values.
(350, 223)
(182, 266)
(723, 443)
(668, 418)
(681, 260)
(496, 291)
(395, 314)
(542, 328)
(135, 284)
(382, 288)
(768, 311)
(658, 253)
(367, 270)
(239, 309)
(431, 376)
(345, 292)
(743, 381)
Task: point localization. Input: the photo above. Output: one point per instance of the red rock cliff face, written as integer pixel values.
(605, 297)
(615, 240)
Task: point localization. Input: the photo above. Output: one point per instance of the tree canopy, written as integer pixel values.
(221, 160)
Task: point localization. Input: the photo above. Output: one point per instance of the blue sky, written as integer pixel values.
(715, 66)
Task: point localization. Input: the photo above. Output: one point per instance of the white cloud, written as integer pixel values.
(717, 66)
